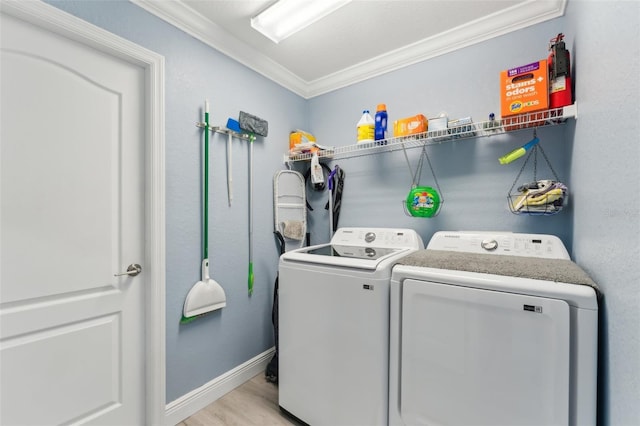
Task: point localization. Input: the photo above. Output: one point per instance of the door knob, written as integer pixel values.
(132, 270)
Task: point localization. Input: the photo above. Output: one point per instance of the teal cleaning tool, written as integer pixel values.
(255, 126)
(519, 152)
(206, 295)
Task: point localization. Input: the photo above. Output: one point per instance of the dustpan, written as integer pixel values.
(290, 208)
(206, 295)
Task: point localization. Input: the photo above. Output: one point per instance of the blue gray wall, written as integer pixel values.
(597, 155)
(605, 172)
(473, 183)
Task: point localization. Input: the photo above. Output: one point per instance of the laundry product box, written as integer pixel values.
(524, 89)
(410, 125)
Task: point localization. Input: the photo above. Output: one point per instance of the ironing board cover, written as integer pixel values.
(289, 208)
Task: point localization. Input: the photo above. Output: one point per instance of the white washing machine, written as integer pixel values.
(492, 329)
(333, 302)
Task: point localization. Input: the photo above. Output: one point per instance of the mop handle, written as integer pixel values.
(250, 283)
(205, 218)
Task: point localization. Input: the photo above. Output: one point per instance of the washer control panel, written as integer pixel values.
(378, 237)
(504, 243)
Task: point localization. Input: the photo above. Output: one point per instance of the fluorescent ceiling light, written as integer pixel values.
(286, 17)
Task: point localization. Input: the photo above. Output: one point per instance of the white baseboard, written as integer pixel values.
(197, 399)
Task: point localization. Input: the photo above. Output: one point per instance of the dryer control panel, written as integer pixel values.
(503, 243)
(378, 237)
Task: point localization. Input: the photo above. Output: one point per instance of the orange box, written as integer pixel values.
(297, 137)
(410, 125)
(524, 89)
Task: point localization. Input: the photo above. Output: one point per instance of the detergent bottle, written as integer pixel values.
(366, 128)
(381, 123)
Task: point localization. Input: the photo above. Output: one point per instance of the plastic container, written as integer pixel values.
(423, 201)
(381, 123)
(366, 128)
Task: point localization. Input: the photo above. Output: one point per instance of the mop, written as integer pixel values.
(206, 295)
(255, 126)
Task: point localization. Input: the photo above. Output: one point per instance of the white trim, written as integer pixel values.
(519, 16)
(195, 24)
(56, 20)
(197, 399)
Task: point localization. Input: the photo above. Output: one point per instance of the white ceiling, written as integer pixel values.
(359, 41)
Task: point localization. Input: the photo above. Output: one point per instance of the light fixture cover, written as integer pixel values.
(286, 17)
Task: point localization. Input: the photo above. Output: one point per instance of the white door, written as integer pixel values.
(72, 216)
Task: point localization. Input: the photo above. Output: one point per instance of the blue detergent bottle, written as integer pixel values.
(381, 123)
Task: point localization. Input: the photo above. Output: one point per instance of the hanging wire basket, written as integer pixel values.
(422, 201)
(538, 197)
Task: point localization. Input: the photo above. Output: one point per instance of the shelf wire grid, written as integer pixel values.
(464, 131)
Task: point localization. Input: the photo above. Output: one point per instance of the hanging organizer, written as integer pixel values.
(538, 197)
(422, 201)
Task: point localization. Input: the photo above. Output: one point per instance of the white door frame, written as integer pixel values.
(58, 21)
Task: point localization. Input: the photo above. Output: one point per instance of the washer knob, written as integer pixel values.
(370, 237)
(489, 245)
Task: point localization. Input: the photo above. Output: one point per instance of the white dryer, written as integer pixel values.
(492, 329)
(333, 302)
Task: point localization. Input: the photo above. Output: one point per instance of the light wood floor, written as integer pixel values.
(253, 403)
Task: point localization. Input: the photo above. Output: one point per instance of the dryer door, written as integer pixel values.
(481, 357)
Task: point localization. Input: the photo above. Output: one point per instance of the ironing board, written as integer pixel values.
(290, 208)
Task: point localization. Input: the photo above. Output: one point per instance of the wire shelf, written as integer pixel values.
(464, 131)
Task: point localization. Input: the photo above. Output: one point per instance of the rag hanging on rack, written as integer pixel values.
(422, 201)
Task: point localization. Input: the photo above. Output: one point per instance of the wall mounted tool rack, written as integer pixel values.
(531, 120)
(224, 131)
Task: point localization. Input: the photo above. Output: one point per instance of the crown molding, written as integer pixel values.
(195, 24)
(514, 18)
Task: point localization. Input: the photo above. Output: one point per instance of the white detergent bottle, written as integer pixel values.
(366, 128)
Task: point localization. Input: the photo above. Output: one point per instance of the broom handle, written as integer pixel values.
(205, 219)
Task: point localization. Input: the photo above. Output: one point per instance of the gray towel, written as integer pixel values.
(292, 229)
(556, 270)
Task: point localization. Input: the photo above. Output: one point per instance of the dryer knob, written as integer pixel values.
(370, 237)
(489, 245)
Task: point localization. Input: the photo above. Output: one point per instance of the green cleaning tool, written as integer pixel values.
(255, 126)
(519, 152)
(206, 295)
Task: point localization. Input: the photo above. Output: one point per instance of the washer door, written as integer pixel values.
(481, 357)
